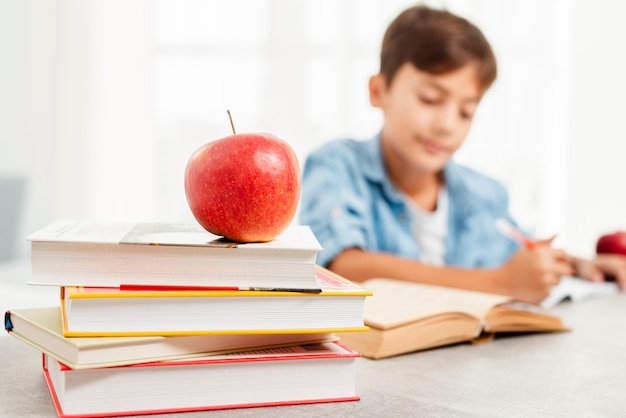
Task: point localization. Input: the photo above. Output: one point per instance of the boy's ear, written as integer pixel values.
(377, 87)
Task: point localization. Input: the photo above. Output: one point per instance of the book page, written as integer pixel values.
(319, 349)
(297, 237)
(172, 234)
(396, 302)
(69, 230)
(522, 317)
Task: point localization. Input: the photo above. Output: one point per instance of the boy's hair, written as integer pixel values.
(437, 42)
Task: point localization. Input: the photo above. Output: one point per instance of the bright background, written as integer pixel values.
(103, 101)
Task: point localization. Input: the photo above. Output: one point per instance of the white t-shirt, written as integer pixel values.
(430, 229)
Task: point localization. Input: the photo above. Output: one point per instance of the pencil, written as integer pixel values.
(509, 230)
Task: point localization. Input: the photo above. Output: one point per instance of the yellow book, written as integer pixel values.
(405, 317)
(88, 311)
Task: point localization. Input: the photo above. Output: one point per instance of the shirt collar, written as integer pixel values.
(375, 172)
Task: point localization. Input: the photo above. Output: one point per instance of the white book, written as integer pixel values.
(93, 253)
(577, 289)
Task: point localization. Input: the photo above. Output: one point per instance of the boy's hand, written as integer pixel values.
(530, 274)
(613, 265)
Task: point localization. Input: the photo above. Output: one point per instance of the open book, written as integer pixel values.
(405, 317)
(576, 289)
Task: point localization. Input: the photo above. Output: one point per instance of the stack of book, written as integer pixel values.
(169, 318)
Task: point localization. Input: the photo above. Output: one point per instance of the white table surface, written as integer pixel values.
(581, 373)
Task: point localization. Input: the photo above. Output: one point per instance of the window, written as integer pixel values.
(300, 70)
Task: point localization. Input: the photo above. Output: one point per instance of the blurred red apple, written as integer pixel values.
(244, 187)
(614, 243)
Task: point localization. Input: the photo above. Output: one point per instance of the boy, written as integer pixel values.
(397, 206)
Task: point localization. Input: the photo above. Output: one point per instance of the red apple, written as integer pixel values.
(613, 243)
(244, 187)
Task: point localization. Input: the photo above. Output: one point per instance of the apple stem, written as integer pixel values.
(232, 125)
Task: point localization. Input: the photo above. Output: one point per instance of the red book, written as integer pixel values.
(313, 373)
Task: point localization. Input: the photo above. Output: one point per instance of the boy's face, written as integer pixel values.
(427, 117)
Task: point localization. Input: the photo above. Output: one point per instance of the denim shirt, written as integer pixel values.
(349, 201)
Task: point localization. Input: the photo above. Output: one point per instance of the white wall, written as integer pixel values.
(30, 118)
(596, 193)
(73, 109)
(77, 117)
